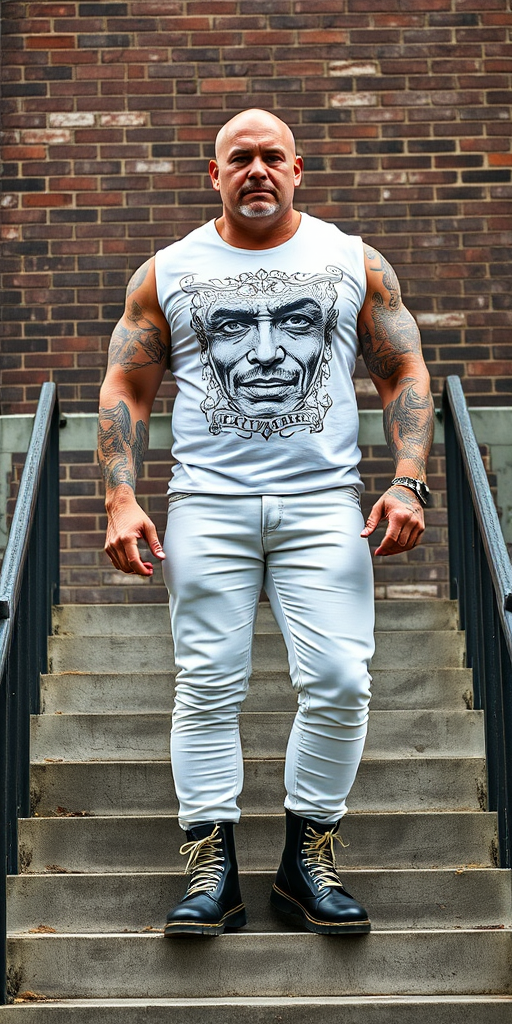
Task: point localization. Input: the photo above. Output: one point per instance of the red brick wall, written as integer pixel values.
(400, 107)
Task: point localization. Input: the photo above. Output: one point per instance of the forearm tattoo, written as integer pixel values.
(393, 330)
(121, 445)
(406, 497)
(409, 425)
(138, 345)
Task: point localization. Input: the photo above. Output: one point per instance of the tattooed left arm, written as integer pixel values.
(391, 347)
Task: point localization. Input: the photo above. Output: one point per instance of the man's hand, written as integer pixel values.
(406, 521)
(128, 523)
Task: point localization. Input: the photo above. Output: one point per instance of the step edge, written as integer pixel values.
(247, 873)
(280, 1001)
(260, 936)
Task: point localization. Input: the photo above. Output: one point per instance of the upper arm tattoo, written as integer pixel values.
(121, 445)
(393, 330)
(138, 345)
(137, 278)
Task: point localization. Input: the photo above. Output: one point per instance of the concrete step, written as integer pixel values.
(445, 898)
(383, 840)
(421, 853)
(148, 620)
(394, 649)
(130, 737)
(145, 787)
(285, 1010)
(153, 693)
(381, 963)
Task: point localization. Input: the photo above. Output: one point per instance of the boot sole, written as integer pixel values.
(236, 918)
(288, 905)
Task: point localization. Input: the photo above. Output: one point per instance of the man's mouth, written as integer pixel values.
(259, 192)
(265, 382)
(262, 387)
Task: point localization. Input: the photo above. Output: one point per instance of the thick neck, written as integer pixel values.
(257, 232)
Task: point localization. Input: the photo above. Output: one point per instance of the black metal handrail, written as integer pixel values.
(481, 580)
(29, 584)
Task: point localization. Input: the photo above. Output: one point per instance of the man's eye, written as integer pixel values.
(294, 320)
(231, 327)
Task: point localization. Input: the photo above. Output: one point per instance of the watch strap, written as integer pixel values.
(418, 486)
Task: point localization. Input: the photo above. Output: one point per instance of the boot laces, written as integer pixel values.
(205, 862)
(320, 857)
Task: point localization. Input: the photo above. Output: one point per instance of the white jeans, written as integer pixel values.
(305, 550)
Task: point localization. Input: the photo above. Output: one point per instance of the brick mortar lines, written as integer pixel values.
(341, 146)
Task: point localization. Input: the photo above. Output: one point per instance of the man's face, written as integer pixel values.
(265, 351)
(256, 170)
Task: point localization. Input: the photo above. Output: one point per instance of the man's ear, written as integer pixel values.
(213, 171)
(298, 170)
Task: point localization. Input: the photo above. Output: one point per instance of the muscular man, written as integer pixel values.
(260, 315)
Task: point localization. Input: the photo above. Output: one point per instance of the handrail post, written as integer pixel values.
(506, 680)
(3, 843)
(53, 513)
(481, 579)
(29, 583)
(452, 491)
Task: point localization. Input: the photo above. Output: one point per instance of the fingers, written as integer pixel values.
(153, 541)
(377, 513)
(124, 555)
(405, 523)
(135, 562)
(407, 539)
(123, 533)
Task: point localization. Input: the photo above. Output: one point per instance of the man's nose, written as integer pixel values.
(257, 168)
(266, 349)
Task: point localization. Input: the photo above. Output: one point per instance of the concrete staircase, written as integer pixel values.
(100, 862)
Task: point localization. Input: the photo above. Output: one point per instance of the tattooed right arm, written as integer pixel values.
(136, 365)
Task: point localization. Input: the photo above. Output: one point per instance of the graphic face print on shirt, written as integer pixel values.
(265, 347)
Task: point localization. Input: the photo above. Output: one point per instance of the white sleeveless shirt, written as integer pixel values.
(263, 348)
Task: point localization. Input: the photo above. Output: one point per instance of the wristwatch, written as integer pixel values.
(418, 486)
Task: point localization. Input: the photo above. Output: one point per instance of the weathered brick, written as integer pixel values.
(415, 155)
(123, 120)
(357, 99)
(72, 120)
(353, 68)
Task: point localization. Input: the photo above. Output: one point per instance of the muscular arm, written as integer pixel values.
(391, 348)
(136, 365)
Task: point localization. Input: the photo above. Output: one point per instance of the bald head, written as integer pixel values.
(253, 121)
(256, 170)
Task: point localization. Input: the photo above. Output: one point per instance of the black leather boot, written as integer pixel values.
(212, 901)
(307, 884)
